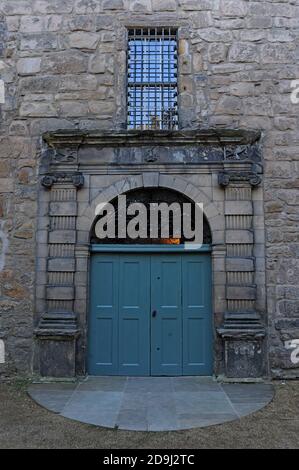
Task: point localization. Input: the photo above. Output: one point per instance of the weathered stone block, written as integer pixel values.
(192, 5)
(15, 7)
(29, 65)
(238, 208)
(60, 62)
(6, 185)
(105, 22)
(217, 53)
(215, 35)
(81, 23)
(277, 53)
(164, 5)
(61, 264)
(140, 6)
(39, 42)
(239, 236)
(83, 40)
(62, 236)
(57, 356)
(229, 105)
(38, 109)
(233, 8)
(243, 52)
(101, 63)
(73, 108)
(241, 293)
(239, 264)
(243, 359)
(55, 84)
(52, 6)
(60, 292)
(113, 5)
(151, 179)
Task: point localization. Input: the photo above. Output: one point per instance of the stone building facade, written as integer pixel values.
(65, 147)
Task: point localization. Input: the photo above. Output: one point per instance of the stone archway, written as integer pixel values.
(86, 217)
(181, 185)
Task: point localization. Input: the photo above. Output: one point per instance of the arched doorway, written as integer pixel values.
(150, 301)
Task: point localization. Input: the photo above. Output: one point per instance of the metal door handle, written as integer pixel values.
(154, 313)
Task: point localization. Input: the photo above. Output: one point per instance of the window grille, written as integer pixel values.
(152, 78)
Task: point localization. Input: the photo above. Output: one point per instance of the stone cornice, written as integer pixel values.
(213, 136)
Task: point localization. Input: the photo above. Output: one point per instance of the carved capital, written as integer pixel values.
(227, 177)
(48, 180)
(77, 179)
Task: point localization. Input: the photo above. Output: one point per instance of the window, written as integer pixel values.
(152, 78)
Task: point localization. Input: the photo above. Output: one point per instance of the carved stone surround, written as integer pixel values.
(68, 160)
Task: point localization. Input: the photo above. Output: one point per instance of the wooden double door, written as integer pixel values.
(150, 314)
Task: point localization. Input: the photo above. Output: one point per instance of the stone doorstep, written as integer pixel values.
(166, 417)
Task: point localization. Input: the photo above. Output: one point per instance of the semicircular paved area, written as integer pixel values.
(152, 403)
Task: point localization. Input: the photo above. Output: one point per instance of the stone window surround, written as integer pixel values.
(183, 26)
(67, 334)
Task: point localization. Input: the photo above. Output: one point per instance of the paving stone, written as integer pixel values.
(106, 384)
(152, 403)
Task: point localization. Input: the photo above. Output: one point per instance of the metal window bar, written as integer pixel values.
(152, 78)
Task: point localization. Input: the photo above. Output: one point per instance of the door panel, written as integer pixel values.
(119, 328)
(103, 323)
(166, 325)
(197, 328)
(134, 315)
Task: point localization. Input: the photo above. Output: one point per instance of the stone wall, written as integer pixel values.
(64, 66)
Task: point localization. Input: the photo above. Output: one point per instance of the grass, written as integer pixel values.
(24, 424)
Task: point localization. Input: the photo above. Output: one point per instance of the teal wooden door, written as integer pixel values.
(150, 314)
(134, 318)
(119, 326)
(196, 315)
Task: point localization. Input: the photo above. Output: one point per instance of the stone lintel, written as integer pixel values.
(152, 137)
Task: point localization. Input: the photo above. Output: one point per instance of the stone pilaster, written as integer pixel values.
(242, 329)
(57, 329)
